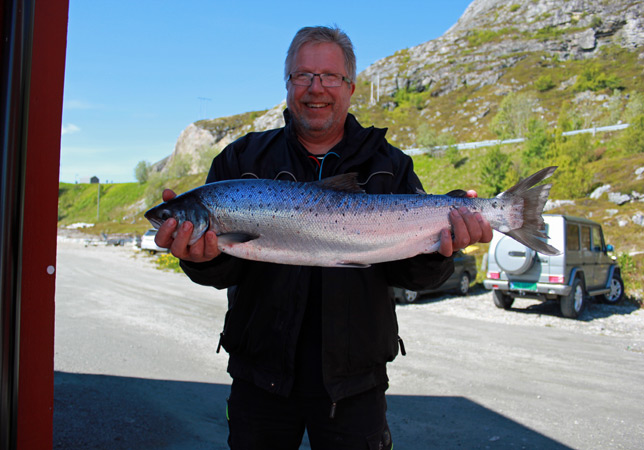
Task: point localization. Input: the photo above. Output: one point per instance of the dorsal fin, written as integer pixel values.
(347, 182)
(459, 193)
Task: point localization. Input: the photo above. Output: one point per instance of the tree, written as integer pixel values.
(574, 176)
(513, 118)
(535, 147)
(632, 139)
(495, 172)
(142, 171)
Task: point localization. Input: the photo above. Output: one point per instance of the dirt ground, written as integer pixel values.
(137, 368)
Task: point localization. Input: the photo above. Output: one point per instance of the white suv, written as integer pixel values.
(582, 269)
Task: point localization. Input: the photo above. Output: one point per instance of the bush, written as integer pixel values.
(429, 139)
(574, 177)
(157, 182)
(494, 171)
(166, 261)
(593, 79)
(514, 116)
(630, 273)
(544, 83)
(632, 140)
(535, 148)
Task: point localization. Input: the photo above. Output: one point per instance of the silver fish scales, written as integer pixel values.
(333, 223)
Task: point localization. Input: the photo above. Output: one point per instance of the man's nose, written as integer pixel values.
(316, 84)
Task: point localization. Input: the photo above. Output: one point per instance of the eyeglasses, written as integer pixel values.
(326, 79)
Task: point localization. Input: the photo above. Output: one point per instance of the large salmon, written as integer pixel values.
(332, 222)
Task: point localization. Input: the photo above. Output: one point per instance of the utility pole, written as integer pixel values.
(98, 201)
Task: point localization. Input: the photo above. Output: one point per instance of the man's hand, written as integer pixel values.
(469, 228)
(205, 249)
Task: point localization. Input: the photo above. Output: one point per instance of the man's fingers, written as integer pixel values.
(168, 194)
(468, 228)
(211, 250)
(446, 248)
(163, 238)
(486, 229)
(460, 226)
(179, 246)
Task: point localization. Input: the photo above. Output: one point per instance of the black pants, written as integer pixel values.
(258, 419)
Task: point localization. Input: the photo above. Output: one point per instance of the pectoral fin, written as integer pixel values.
(353, 265)
(235, 238)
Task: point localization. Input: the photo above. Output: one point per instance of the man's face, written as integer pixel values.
(319, 112)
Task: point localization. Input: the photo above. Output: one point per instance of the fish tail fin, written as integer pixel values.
(534, 200)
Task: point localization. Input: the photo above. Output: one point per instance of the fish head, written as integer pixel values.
(183, 208)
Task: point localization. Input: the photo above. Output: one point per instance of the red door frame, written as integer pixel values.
(36, 187)
(36, 380)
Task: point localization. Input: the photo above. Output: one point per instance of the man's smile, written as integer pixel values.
(317, 105)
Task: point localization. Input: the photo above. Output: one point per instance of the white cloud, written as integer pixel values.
(70, 128)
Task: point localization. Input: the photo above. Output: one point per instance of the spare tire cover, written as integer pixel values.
(512, 256)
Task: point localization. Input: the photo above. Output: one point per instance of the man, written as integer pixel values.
(308, 346)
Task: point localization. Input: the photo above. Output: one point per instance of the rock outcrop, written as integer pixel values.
(491, 37)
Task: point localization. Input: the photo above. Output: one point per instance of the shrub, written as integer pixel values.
(630, 273)
(535, 147)
(166, 261)
(494, 171)
(592, 78)
(544, 83)
(513, 118)
(574, 178)
(632, 139)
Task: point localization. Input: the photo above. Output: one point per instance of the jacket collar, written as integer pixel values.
(357, 145)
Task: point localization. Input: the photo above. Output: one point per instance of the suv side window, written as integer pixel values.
(598, 241)
(585, 238)
(572, 237)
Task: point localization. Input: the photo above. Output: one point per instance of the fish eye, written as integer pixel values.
(165, 214)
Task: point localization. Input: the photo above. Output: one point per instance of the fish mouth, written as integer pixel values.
(156, 222)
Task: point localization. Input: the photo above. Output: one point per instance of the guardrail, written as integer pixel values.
(490, 143)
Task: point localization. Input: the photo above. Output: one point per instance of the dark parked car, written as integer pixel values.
(464, 274)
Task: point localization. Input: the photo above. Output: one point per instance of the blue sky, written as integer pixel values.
(138, 71)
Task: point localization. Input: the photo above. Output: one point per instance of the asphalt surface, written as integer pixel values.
(136, 366)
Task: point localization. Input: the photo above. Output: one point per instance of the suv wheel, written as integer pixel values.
(616, 290)
(573, 304)
(464, 284)
(409, 296)
(502, 300)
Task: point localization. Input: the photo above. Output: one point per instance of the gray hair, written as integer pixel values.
(319, 35)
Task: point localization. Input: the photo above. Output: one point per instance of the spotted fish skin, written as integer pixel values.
(332, 223)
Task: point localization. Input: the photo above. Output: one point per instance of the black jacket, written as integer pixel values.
(267, 302)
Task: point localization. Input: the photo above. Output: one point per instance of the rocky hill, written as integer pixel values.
(454, 84)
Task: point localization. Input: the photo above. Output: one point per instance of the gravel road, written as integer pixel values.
(137, 368)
